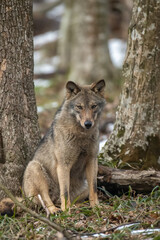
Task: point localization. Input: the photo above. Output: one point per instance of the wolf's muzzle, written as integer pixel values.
(88, 124)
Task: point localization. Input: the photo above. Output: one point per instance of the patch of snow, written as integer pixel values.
(42, 83)
(56, 12)
(47, 106)
(37, 56)
(44, 65)
(50, 1)
(40, 229)
(40, 109)
(110, 127)
(55, 60)
(102, 143)
(45, 38)
(117, 50)
(145, 231)
(44, 68)
(127, 226)
(133, 232)
(54, 104)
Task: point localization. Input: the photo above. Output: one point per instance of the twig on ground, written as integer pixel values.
(36, 215)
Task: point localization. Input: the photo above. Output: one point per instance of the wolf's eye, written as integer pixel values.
(79, 107)
(93, 106)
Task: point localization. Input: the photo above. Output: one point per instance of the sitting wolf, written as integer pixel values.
(64, 164)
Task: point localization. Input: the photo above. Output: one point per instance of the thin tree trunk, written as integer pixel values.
(19, 131)
(84, 37)
(119, 17)
(135, 141)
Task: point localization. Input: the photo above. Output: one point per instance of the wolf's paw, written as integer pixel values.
(53, 210)
(7, 207)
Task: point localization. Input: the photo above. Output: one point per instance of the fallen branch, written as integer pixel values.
(36, 215)
(120, 179)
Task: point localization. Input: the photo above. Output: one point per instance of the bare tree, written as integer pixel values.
(84, 37)
(19, 131)
(135, 141)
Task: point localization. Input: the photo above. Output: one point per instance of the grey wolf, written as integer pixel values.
(64, 166)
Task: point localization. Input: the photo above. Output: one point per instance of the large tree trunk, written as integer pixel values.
(19, 131)
(83, 46)
(135, 141)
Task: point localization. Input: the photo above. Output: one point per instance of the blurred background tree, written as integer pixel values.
(83, 48)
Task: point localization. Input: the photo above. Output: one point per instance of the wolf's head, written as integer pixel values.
(85, 103)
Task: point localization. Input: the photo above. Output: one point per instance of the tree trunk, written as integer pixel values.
(65, 42)
(83, 46)
(119, 17)
(135, 141)
(19, 131)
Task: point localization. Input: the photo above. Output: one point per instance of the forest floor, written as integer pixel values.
(128, 217)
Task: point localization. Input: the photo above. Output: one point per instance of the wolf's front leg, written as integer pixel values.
(63, 173)
(91, 174)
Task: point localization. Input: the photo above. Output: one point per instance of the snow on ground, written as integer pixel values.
(47, 106)
(44, 65)
(110, 127)
(45, 38)
(117, 50)
(144, 232)
(104, 138)
(44, 68)
(56, 12)
(50, 1)
(102, 143)
(42, 83)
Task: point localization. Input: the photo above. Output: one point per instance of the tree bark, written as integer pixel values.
(119, 180)
(135, 141)
(83, 46)
(19, 131)
(119, 17)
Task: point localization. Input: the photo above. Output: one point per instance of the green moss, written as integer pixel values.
(138, 158)
(121, 132)
(130, 156)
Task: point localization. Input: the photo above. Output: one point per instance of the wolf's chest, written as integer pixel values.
(81, 138)
(82, 145)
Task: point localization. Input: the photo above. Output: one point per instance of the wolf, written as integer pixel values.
(64, 166)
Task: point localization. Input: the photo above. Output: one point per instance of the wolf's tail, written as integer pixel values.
(7, 206)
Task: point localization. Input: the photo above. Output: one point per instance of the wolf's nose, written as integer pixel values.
(88, 124)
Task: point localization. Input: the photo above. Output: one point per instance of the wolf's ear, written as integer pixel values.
(98, 87)
(72, 89)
